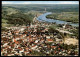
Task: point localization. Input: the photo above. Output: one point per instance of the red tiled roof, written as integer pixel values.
(34, 38)
(17, 36)
(29, 35)
(16, 31)
(30, 50)
(14, 40)
(21, 35)
(31, 41)
(7, 46)
(26, 32)
(17, 42)
(5, 55)
(49, 39)
(54, 51)
(12, 45)
(1, 50)
(42, 39)
(19, 48)
(58, 48)
(28, 54)
(53, 46)
(27, 48)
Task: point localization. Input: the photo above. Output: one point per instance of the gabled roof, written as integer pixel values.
(49, 40)
(53, 46)
(17, 36)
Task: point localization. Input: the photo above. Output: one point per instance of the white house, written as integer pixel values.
(5, 45)
(34, 47)
(36, 41)
(48, 37)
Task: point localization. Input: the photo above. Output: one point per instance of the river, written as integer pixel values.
(44, 19)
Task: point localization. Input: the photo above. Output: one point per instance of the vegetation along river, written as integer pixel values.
(44, 19)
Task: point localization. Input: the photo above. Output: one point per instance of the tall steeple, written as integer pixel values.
(45, 10)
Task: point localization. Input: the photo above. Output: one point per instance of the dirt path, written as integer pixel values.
(64, 31)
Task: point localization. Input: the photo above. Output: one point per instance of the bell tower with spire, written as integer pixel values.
(45, 10)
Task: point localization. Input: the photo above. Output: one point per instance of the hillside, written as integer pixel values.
(15, 16)
(23, 14)
(65, 16)
(9, 10)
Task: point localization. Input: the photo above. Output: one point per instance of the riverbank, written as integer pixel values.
(65, 16)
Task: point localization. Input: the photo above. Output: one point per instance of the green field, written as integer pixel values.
(65, 16)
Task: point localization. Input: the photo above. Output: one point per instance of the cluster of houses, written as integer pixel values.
(22, 41)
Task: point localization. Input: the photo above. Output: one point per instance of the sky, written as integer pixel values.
(40, 2)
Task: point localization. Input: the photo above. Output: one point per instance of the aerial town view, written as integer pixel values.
(40, 28)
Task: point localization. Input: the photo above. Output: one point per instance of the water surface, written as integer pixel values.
(44, 19)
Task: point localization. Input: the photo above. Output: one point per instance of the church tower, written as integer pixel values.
(45, 10)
